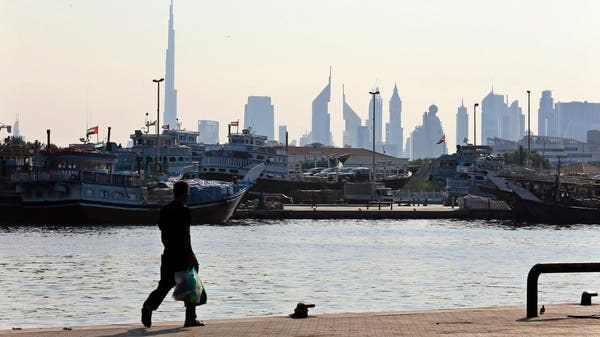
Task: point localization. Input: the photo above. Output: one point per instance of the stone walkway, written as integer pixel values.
(501, 321)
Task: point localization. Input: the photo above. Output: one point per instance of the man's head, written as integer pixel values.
(181, 191)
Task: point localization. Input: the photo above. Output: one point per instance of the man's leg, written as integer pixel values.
(190, 316)
(166, 283)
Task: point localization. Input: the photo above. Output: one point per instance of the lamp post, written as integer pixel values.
(158, 122)
(373, 93)
(528, 127)
(475, 124)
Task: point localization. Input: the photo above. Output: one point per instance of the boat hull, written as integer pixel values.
(105, 213)
(530, 211)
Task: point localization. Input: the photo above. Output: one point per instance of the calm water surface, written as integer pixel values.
(65, 276)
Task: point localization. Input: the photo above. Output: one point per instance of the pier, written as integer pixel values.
(372, 212)
(487, 322)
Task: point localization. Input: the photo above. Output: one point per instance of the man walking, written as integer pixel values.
(174, 224)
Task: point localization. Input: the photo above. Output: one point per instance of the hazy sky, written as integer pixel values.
(62, 58)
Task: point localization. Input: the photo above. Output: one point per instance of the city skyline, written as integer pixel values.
(66, 61)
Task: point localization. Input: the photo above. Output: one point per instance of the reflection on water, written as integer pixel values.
(68, 276)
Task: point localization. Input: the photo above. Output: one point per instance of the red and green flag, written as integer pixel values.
(92, 131)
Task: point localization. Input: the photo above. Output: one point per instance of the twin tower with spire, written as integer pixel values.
(358, 135)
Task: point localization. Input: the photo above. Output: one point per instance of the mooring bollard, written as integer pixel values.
(586, 298)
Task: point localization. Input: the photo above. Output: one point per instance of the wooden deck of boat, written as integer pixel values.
(486, 322)
(374, 211)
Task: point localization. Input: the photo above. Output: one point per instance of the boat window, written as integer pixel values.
(172, 159)
(212, 169)
(204, 169)
(89, 192)
(260, 156)
(233, 171)
(221, 170)
(105, 194)
(180, 159)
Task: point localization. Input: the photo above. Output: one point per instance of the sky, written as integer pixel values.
(70, 64)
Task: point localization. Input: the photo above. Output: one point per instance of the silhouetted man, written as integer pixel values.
(174, 224)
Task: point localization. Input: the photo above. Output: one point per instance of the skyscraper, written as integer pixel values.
(574, 119)
(208, 132)
(492, 109)
(260, 116)
(170, 111)
(394, 137)
(462, 125)
(426, 138)
(321, 129)
(498, 119)
(352, 123)
(16, 132)
(282, 133)
(546, 116)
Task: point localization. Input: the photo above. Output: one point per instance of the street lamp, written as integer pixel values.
(158, 122)
(475, 124)
(528, 126)
(373, 93)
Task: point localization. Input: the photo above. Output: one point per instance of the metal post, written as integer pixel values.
(373, 93)
(158, 164)
(529, 126)
(540, 268)
(475, 124)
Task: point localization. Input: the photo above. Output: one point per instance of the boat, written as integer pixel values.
(78, 186)
(245, 149)
(528, 207)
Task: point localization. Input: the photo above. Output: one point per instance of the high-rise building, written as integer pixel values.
(426, 139)
(492, 108)
(259, 115)
(208, 132)
(16, 132)
(498, 120)
(282, 133)
(352, 123)
(321, 122)
(513, 122)
(593, 140)
(394, 136)
(170, 112)
(462, 125)
(546, 116)
(574, 119)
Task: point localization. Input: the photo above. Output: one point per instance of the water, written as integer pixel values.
(66, 276)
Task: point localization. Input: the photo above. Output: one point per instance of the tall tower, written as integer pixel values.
(394, 132)
(321, 129)
(259, 114)
(546, 116)
(462, 125)
(352, 123)
(170, 114)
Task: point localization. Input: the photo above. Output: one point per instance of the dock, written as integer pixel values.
(373, 212)
(486, 322)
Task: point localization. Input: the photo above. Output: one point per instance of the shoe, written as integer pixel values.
(146, 317)
(193, 323)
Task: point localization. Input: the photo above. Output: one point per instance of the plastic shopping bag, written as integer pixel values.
(189, 287)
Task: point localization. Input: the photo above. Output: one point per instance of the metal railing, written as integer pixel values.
(544, 268)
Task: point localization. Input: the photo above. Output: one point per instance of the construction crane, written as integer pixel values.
(7, 127)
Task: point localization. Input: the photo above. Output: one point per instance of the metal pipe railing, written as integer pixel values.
(545, 268)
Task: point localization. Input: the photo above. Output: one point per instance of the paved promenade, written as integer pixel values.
(503, 321)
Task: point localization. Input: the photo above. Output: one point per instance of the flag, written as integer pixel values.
(153, 123)
(443, 139)
(92, 131)
(234, 123)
